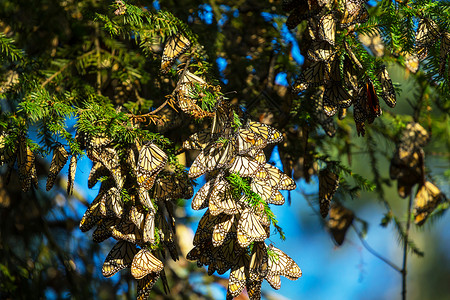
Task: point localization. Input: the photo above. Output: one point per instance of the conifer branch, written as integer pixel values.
(65, 67)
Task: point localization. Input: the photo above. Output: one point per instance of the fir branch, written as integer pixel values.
(8, 49)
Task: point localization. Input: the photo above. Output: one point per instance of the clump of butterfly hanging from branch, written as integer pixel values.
(333, 64)
(338, 79)
(138, 184)
(408, 168)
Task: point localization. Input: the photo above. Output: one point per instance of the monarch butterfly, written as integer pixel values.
(238, 277)
(278, 179)
(60, 157)
(262, 217)
(328, 184)
(98, 170)
(340, 220)
(110, 159)
(204, 229)
(93, 214)
(145, 285)
(113, 202)
(214, 156)
(414, 136)
(388, 93)
(372, 106)
(104, 230)
(350, 75)
(330, 99)
(200, 200)
(198, 167)
(354, 12)
(151, 160)
(222, 118)
(245, 166)
(280, 264)
(334, 73)
(411, 61)
(321, 51)
(94, 142)
(327, 123)
(326, 28)
(407, 167)
(313, 76)
(71, 175)
(249, 229)
(258, 155)
(221, 199)
(175, 46)
(126, 230)
(145, 199)
(444, 52)
(197, 141)
(201, 253)
(266, 192)
(360, 117)
(352, 55)
(136, 214)
(426, 35)
(25, 160)
(172, 186)
(120, 257)
(187, 97)
(245, 141)
(367, 106)
(223, 224)
(335, 96)
(144, 263)
(225, 257)
(258, 266)
(373, 42)
(427, 199)
(267, 132)
(254, 289)
(149, 229)
(186, 82)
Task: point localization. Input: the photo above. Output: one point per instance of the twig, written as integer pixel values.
(168, 98)
(65, 67)
(97, 50)
(373, 252)
(405, 248)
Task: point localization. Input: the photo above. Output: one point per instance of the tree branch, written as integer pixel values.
(373, 252)
(405, 247)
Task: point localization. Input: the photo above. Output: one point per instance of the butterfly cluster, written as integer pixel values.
(407, 167)
(239, 186)
(428, 35)
(134, 206)
(407, 164)
(333, 64)
(19, 151)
